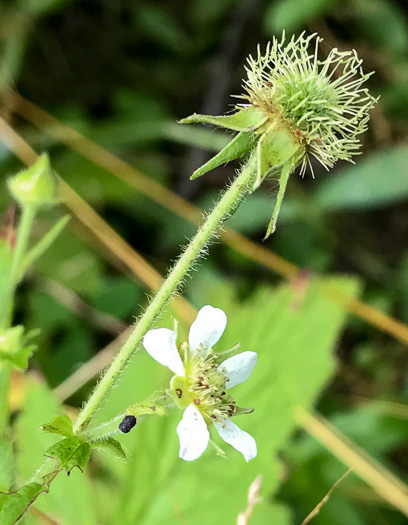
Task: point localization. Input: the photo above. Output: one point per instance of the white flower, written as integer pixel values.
(200, 383)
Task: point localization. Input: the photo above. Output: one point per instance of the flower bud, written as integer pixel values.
(14, 348)
(35, 186)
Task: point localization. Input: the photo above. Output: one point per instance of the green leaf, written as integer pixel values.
(247, 119)
(31, 443)
(238, 146)
(295, 338)
(376, 181)
(110, 446)
(159, 25)
(14, 504)
(295, 341)
(70, 452)
(291, 15)
(118, 296)
(383, 22)
(61, 425)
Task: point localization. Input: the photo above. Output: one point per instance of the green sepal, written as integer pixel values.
(61, 425)
(283, 181)
(154, 405)
(239, 145)
(240, 411)
(70, 452)
(110, 446)
(36, 185)
(275, 148)
(14, 348)
(246, 119)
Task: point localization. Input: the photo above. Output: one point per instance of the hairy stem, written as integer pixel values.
(227, 204)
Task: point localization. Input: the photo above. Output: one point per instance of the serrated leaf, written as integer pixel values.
(70, 452)
(247, 119)
(61, 425)
(31, 442)
(110, 446)
(239, 145)
(14, 505)
(295, 337)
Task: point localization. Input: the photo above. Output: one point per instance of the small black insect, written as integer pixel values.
(127, 424)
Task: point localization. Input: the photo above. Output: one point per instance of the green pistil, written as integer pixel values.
(204, 386)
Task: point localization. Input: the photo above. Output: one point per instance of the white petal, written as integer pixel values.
(193, 434)
(239, 439)
(207, 329)
(238, 367)
(161, 345)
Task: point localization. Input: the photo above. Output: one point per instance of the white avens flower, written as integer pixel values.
(296, 106)
(200, 383)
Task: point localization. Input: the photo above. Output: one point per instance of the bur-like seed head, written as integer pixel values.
(322, 102)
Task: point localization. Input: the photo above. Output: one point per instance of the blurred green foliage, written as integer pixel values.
(123, 73)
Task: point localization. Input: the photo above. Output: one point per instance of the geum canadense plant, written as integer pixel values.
(295, 107)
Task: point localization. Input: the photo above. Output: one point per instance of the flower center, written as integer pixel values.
(204, 385)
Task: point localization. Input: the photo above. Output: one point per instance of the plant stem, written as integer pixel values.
(6, 306)
(7, 300)
(42, 245)
(227, 204)
(4, 396)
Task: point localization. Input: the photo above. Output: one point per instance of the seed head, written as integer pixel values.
(296, 106)
(322, 102)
